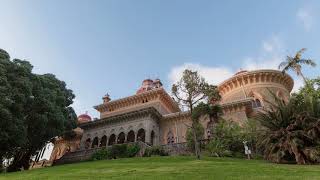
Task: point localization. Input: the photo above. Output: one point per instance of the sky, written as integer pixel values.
(110, 46)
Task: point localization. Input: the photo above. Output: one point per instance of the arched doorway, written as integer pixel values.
(103, 141)
(112, 140)
(87, 143)
(131, 136)
(170, 138)
(152, 137)
(141, 135)
(95, 142)
(121, 138)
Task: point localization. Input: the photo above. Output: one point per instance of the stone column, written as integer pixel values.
(148, 136)
(135, 136)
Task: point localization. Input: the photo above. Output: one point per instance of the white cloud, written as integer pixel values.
(298, 83)
(305, 17)
(213, 75)
(270, 56)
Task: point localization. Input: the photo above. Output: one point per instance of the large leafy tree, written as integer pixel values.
(295, 63)
(34, 109)
(15, 94)
(189, 91)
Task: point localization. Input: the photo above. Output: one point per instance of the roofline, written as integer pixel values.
(149, 110)
(161, 89)
(258, 71)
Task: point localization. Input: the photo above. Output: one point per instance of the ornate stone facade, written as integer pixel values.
(153, 117)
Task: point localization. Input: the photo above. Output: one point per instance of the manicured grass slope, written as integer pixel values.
(171, 168)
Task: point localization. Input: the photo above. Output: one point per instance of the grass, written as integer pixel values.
(171, 168)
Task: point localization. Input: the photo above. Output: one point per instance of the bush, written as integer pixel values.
(132, 150)
(190, 138)
(155, 151)
(227, 140)
(116, 151)
(119, 151)
(101, 154)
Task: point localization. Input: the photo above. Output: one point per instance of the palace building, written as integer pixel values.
(153, 117)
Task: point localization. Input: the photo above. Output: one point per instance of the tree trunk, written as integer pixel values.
(196, 143)
(21, 160)
(304, 78)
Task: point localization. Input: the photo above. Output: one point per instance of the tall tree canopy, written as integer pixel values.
(189, 91)
(33, 109)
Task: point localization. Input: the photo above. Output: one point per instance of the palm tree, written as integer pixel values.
(290, 133)
(294, 63)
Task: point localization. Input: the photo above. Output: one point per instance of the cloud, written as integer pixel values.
(270, 56)
(272, 53)
(213, 75)
(305, 17)
(298, 83)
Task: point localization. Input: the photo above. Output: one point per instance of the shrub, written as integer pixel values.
(119, 151)
(101, 154)
(155, 151)
(227, 139)
(116, 151)
(190, 138)
(291, 131)
(132, 150)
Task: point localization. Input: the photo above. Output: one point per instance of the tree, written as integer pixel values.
(294, 64)
(190, 90)
(15, 93)
(291, 132)
(34, 108)
(227, 138)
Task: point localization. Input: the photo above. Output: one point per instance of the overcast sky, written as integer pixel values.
(106, 46)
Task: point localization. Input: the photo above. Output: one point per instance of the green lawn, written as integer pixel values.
(171, 168)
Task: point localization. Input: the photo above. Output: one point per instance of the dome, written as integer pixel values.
(4, 54)
(83, 118)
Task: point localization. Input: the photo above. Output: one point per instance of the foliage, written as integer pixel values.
(116, 151)
(291, 132)
(227, 138)
(33, 109)
(217, 147)
(189, 136)
(155, 151)
(294, 63)
(101, 154)
(132, 150)
(190, 90)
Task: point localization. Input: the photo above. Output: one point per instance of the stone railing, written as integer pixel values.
(84, 155)
(177, 149)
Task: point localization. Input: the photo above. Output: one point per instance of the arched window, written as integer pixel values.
(112, 140)
(103, 141)
(121, 138)
(141, 135)
(258, 103)
(95, 142)
(170, 138)
(131, 136)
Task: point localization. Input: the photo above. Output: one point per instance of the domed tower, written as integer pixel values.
(83, 118)
(250, 91)
(147, 85)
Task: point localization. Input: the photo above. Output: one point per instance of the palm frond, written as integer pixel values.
(307, 62)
